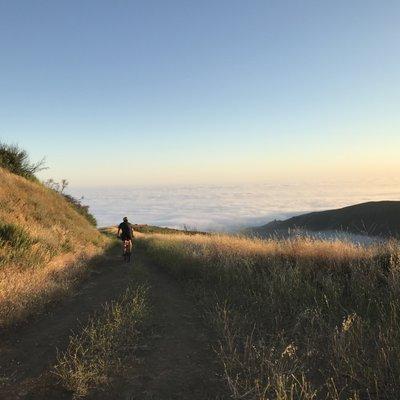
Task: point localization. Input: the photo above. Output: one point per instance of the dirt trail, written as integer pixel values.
(182, 364)
(178, 362)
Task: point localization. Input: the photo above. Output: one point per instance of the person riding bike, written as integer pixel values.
(126, 236)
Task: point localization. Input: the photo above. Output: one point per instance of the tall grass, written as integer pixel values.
(14, 235)
(97, 355)
(298, 319)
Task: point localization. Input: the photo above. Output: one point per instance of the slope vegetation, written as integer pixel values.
(381, 218)
(296, 319)
(43, 241)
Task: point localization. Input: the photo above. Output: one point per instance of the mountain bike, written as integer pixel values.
(127, 249)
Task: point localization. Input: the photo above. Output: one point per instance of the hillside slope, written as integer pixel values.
(41, 239)
(381, 218)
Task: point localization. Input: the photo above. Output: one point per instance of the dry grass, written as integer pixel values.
(25, 292)
(43, 242)
(100, 353)
(298, 319)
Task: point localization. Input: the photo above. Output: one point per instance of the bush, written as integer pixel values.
(17, 161)
(59, 187)
(80, 208)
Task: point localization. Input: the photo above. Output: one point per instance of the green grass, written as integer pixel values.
(296, 320)
(16, 246)
(98, 355)
(14, 235)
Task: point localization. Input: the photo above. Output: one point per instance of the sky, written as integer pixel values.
(148, 92)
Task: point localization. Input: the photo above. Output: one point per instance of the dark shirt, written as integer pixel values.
(126, 229)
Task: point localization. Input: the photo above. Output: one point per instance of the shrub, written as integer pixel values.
(81, 208)
(17, 161)
(59, 187)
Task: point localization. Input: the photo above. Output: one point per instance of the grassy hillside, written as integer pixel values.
(381, 218)
(42, 240)
(156, 229)
(300, 319)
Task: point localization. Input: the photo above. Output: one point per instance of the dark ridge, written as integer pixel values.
(374, 218)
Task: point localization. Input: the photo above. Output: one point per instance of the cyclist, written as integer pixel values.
(126, 236)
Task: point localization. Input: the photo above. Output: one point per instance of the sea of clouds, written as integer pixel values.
(226, 207)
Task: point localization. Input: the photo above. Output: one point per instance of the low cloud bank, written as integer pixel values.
(226, 208)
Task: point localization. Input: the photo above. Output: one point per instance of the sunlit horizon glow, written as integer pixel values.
(143, 93)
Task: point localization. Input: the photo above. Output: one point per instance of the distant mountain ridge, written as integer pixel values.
(375, 218)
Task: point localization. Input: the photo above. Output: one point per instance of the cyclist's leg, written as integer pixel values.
(123, 247)
(128, 249)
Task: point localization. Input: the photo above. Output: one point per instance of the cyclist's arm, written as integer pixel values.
(118, 231)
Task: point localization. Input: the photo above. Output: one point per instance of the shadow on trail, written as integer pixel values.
(28, 351)
(176, 361)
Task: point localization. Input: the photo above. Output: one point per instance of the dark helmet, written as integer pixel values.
(125, 219)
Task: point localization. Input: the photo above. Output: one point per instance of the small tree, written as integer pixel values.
(52, 184)
(63, 184)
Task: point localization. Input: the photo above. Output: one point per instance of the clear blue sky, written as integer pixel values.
(172, 91)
